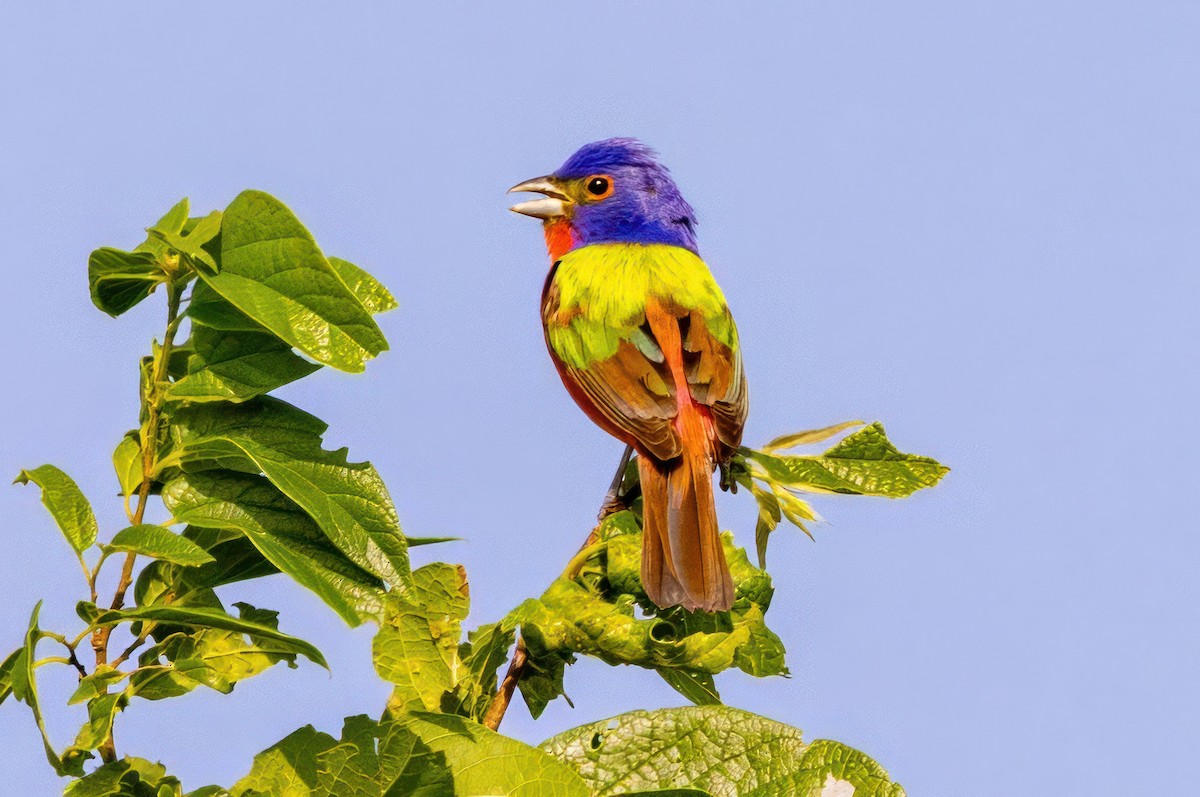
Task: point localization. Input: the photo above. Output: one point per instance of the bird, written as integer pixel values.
(645, 344)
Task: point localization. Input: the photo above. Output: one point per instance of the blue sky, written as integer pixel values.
(976, 222)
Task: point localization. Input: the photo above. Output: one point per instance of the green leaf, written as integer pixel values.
(67, 504)
(724, 751)
(208, 657)
(368, 290)
(207, 307)
(118, 280)
(831, 768)
(484, 652)
(6, 674)
(416, 647)
(486, 763)
(24, 688)
(130, 777)
(204, 618)
(159, 543)
(127, 462)
(102, 711)
(810, 436)
(95, 685)
(236, 366)
(595, 615)
(189, 241)
(272, 270)
(282, 532)
(287, 768)
(697, 687)
(865, 463)
(348, 501)
(235, 559)
(384, 758)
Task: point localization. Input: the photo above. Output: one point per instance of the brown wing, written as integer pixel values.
(717, 380)
(632, 394)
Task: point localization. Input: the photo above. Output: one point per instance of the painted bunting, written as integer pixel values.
(644, 342)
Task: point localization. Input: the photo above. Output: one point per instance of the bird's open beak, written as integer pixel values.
(552, 206)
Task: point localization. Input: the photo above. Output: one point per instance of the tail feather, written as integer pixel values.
(683, 562)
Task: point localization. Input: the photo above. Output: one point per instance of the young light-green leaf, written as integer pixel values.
(127, 462)
(205, 618)
(369, 291)
(865, 463)
(416, 647)
(272, 270)
(158, 542)
(807, 437)
(67, 504)
(282, 532)
(209, 657)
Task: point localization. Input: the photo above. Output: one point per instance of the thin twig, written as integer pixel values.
(516, 669)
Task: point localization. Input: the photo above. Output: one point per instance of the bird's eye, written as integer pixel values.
(599, 186)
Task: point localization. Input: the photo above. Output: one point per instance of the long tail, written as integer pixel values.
(682, 559)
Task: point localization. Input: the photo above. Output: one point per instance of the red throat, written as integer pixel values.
(559, 239)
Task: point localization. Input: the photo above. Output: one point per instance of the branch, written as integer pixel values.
(151, 431)
(499, 705)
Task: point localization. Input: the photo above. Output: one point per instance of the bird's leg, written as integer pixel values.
(613, 502)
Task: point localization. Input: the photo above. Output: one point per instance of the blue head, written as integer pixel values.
(612, 191)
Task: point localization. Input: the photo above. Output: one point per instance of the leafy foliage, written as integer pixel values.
(251, 491)
(864, 463)
(722, 751)
(595, 613)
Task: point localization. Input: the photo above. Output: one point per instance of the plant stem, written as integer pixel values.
(499, 705)
(151, 432)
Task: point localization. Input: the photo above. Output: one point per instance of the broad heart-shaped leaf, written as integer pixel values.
(417, 644)
(864, 463)
(485, 763)
(372, 759)
(208, 657)
(67, 504)
(236, 365)
(202, 618)
(724, 751)
(272, 270)
(159, 543)
(594, 615)
(348, 501)
(369, 291)
(282, 532)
